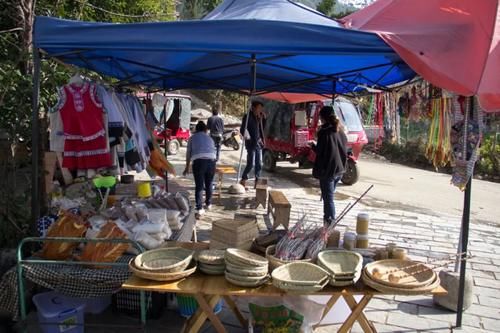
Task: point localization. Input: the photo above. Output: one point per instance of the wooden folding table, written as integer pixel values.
(208, 290)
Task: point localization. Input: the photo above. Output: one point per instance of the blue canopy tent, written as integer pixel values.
(250, 46)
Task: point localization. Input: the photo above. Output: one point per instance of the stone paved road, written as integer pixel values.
(426, 236)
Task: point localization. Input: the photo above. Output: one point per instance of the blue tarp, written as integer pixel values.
(296, 50)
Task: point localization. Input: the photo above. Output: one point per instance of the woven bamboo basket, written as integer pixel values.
(300, 273)
(274, 262)
(211, 257)
(412, 274)
(233, 233)
(245, 258)
(251, 284)
(291, 288)
(341, 263)
(246, 271)
(400, 291)
(164, 260)
(161, 276)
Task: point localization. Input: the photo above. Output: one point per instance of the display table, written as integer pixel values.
(208, 290)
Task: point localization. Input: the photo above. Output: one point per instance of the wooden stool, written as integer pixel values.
(262, 181)
(279, 207)
(221, 170)
(261, 195)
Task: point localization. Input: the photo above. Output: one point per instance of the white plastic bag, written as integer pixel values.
(167, 231)
(150, 228)
(146, 240)
(158, 215)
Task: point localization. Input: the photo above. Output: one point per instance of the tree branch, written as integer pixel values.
(11, 30)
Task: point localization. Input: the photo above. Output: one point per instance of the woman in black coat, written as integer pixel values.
(331, 159)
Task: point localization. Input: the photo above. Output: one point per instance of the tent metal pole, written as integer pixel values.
(35, 135)
(464, 239)
(252, 91)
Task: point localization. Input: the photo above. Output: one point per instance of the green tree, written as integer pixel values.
(16, 21)
(196, 9)
(326, 7)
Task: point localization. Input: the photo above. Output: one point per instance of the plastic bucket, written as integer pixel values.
(65, 314)
(144, 190)
(188, 305)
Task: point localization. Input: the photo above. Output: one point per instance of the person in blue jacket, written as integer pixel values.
(254, 140)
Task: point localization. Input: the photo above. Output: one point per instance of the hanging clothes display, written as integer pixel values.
(438, 149)
(96, 127)
(85, 142)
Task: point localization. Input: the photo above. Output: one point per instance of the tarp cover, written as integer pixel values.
(296, 50)
(454, 44)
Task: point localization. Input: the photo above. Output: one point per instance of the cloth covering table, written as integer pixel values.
(208, 290)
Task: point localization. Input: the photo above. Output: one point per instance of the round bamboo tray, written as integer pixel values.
(291, 288)
(164, 260)
(246, 271)
(275, 262)
(248, 283)
(341, 263)
(238, 264)
(211, 257)
(212, 269)
(400, 291)
(161, 276)
(300, 273)
(244, 258)
(412, 274)
(243, 278)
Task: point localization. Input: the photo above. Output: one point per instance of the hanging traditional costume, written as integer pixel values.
(85, 141)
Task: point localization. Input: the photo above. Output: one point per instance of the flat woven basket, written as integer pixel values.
(300, 273)
(246, 270)
(245, 258)
(164, 260)
(274, 262)
(294, 288)
(341, 262)
(211, 257)
(161, 276)
(248, 284)
(400, 291)
(412, 274)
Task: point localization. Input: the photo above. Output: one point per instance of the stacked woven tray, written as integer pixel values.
(165, 264)
(300, 277)
(245, 269)
(400, 277)
(211, 262)
(345, 267)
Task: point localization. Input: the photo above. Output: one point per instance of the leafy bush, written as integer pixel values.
(489, 161)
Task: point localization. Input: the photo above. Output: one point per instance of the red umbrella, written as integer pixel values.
(454, 44)
(293, 98)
